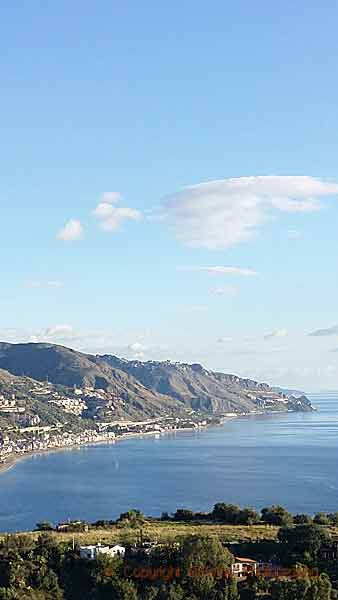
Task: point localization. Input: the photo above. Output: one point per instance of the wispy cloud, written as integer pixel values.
(129, 345)
(110, 217)
(56, 333)
(244, 272)
(58, 330)
(219, 214)
(72, 231)
(325, 332)
(136, 350)
(276, 333)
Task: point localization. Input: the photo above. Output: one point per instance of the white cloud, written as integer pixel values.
(277, 333)
(224, 340)
(325, 332)
(219, 214)
(136, 351)
(57, 330)
(137, 347)
(223, 270)
(57, 333)
(120, 343)
(72, 231)
(111, 218)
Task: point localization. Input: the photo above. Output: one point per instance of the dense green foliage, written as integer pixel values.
(195, 568)
(231, 514)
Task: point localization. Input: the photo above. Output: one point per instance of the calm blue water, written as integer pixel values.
(289, 459)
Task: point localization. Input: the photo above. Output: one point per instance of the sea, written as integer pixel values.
(285, 458)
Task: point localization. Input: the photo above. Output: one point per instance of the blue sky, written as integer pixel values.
(112, 116)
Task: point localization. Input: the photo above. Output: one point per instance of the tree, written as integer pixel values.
(150, 593)
(333, 518)
(184, 514)
(79, 577)
(131, 518)
(321, 588)
(316, 588)
(165, 516)
(302, 540)
(123, 589)
(44, 526)
(321, 519)
(20, 544)
(50, 549)
(173, 592)
(14, 594)
(206, 552)
(226, 513)
(247, 516)
(302, 519)
(277, 515)
(290, 590)
(45, 580)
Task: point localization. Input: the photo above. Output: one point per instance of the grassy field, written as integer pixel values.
(164, 532)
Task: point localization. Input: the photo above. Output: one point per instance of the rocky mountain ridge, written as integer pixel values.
(136, 389)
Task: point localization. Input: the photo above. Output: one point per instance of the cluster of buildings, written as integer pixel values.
(94, 401)
(8, 404)
(35, 439)
(73, 406)
(26, 432)
(266, 399)
(70, 404)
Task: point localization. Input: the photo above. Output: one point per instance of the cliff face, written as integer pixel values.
(139, 389)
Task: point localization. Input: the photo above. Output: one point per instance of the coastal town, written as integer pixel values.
(36, 438)
(40, 415)
(27, 433)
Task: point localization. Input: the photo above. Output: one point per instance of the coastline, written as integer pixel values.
(16, 458)
(119, 463)
(13, 460)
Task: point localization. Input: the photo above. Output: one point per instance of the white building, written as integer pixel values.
(243, 567)
(92, 552)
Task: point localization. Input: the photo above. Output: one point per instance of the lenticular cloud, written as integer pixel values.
(219, 214)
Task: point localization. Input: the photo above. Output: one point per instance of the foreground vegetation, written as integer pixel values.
(157, 531)
(194, 568)
(190, 559)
